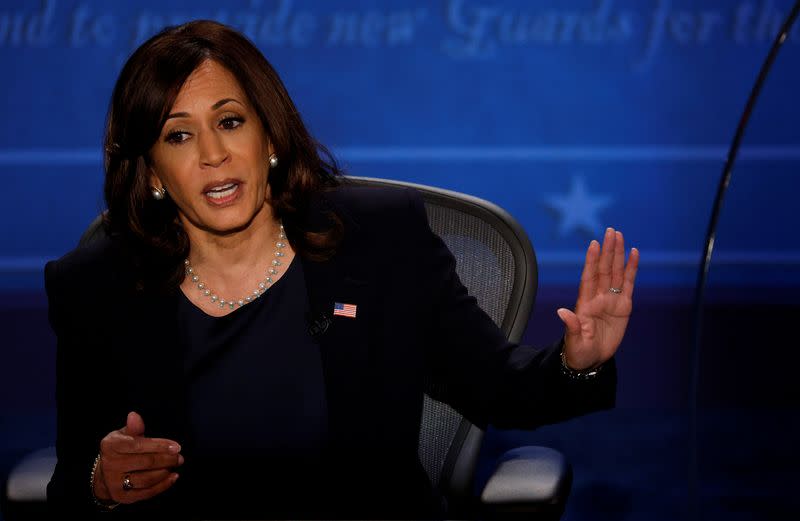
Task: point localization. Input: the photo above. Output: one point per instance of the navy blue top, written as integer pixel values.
(260, 356)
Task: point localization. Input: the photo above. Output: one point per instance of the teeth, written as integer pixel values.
(222, 187)
(222, 191)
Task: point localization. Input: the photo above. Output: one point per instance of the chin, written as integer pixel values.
(232, 223)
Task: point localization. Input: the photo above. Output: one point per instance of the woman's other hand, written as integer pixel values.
(596, 327)
(132, 467)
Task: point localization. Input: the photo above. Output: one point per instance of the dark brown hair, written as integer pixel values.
(143, 95)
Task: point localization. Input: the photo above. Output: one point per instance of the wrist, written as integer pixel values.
(102, 499)
(587, 373)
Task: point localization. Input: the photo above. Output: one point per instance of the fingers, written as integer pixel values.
(139, 493)
(134, 425)
(599, 266)
(570, 321)
(132, 478)
(630, 272)
(578, 335)
(142, 445)
(126, 480)
(618, 262)
(606, 260)
(126, 454)
(145, 462)
(118, 443)
(605, 267)
(588, 284)
(146, 479)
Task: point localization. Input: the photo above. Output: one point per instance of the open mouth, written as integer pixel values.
(221, 192)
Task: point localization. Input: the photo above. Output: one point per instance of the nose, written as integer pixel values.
(213, 152)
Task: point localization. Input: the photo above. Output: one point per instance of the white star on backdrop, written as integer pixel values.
(578, 209)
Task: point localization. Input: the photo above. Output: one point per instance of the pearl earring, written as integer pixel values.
(273, 161)
(158, 193)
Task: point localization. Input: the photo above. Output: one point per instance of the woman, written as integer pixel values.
(196, 339)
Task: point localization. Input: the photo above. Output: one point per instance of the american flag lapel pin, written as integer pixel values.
(344, 310)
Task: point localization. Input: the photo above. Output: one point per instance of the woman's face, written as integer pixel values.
(213, 155)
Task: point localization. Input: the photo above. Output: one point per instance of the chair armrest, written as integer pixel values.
(27, 481)
(528, 480)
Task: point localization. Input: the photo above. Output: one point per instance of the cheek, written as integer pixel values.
(175, 173)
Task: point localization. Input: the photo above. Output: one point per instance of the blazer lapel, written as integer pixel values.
(344, 342)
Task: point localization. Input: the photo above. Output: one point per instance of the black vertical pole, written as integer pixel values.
(702, 276)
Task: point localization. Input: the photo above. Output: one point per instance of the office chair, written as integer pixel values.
(496, 262)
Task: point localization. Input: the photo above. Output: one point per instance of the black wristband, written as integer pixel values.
(574, 374)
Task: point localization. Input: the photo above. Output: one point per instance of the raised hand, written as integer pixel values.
(596, 327)
(132, 467)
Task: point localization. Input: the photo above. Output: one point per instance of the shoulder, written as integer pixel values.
(85, 269)
(373, 206)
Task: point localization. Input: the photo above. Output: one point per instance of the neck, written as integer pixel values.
(228, 257)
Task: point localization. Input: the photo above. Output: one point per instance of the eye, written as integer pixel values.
(231, 122)
(176, 137)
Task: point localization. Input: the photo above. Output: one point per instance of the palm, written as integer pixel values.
(595, 330)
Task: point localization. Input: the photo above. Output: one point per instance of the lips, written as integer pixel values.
(222, 192)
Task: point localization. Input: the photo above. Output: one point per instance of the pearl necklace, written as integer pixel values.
(262, 286)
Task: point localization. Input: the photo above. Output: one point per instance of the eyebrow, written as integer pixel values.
(215, 106)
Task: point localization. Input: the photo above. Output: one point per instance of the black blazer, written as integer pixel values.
(117, 353)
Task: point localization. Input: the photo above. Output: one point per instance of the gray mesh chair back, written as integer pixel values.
(496, 262)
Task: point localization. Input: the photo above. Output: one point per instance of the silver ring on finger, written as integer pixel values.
(614, 290)
(126, 482)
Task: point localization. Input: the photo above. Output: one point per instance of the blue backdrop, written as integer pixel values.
(572, 114)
